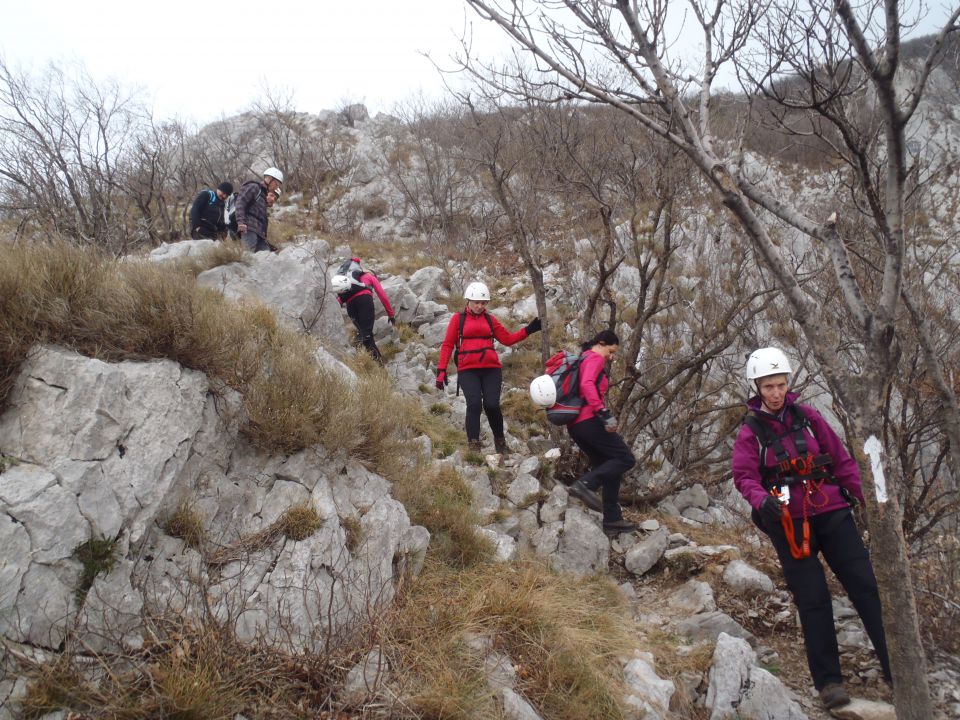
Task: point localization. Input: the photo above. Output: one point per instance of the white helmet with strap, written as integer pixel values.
(767, 361)
(476, 291)
(340, 283)
(543, 391)
(275, 173)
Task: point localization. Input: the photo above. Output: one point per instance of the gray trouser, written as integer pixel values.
(253, 242)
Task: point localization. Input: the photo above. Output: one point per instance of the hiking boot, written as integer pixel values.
(618, 527)
(474, 446)
(585, 495)
(833, 695)
(500, 445)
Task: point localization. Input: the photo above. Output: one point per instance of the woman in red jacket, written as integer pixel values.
(472, 332)
(594, 431)
(355, 286)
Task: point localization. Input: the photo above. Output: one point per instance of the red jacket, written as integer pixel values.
(476, 337)
(369, 279)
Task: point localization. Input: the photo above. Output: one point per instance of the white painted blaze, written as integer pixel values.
(874, 449)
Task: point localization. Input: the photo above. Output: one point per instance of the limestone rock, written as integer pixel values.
(860, 709)
(694, 596)
(516, 707)
(583, 548)
(365, 679)
(522, 490)
(647, 693)
(740, 690)
(694, 496)
(745, 580)
(708, 626)
(427, 282)
(647, 553)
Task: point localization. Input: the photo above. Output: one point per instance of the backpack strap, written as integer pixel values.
(788, 469)
(463, 320)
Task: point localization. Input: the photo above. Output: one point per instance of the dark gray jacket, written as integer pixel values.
(252, 207)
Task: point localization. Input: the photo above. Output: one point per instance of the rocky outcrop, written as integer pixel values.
(107, 454)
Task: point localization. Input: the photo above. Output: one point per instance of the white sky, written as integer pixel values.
(204, 60)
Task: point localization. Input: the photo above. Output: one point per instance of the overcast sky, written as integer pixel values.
(204, 60)
(201, 60)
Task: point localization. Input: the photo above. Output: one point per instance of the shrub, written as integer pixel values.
(96, 556)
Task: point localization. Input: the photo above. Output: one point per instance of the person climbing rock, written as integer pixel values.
(354, 286)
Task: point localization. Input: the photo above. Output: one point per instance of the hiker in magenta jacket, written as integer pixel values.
(595, 432)
(816, 520)
(358, 299)
(479, 372)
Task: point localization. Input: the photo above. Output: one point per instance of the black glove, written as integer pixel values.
(608, 420)
(770, 510)
(533, 326)
(392, 321)
(441, 379)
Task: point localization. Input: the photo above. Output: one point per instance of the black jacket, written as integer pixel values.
(252, 207)
(206, 216)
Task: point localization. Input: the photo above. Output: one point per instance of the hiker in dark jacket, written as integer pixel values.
(594, 430)
(206, 213)
(252, 209)
(479, 372)
(796, 474)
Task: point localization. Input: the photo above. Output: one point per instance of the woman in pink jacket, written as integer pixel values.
(355, 286)
(595, 432)
(797, 475)
(471, 333)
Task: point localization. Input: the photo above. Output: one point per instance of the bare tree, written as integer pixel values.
(618, 53)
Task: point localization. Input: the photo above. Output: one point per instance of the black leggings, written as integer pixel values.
(835, 535)
(360, 310)
(609, 457)
(481, 388)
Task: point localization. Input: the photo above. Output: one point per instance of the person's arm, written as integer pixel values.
(746, 467)
(449, 342)
(196, 209)
(590, 368)
(244, 198)
(844, 468)
(505, 336)
(370, 279)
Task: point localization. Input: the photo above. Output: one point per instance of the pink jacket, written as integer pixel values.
(369, 279)
(476, 337)
(590, 368)
(746, 460)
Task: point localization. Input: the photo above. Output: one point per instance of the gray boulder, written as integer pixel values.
(745, 580)
(694, 596)
(694, 496)
(708, 626)
(427, 282)
(583, 549)
(738, 690)
(647, 553)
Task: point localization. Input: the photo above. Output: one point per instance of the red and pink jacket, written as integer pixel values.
(370, 280)
(476, 350)
(593, 393)
(746, 460)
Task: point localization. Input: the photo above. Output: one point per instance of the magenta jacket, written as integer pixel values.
(590, 368)
(746, 460)
(370, 280)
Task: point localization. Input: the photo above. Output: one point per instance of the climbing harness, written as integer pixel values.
(806, 470)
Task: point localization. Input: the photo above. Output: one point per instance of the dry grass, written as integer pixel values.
(442, 502)
(566, 637)
(57, 293)
(186, 673)
(296, 523)
(187, 524)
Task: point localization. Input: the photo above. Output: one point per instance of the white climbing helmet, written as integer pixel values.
(476, 291)
(275, 173)
(340, 284)
(767, 361)
(543, 391)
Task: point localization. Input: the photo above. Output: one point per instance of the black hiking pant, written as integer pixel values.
(836, 536)
(360, 310)
(481, 389)
(609, 458)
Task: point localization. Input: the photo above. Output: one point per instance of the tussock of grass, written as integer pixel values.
(96, 556)
(296, 523)
(185, 523)
(353, 529)
(566, 636)
(442, 502)
(186, 673)
(57, 293)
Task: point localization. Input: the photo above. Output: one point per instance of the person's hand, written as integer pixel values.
(533, 326)
(441, 379)
(770, 510)
(392, 320)
(242, 227)
(608, 420)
